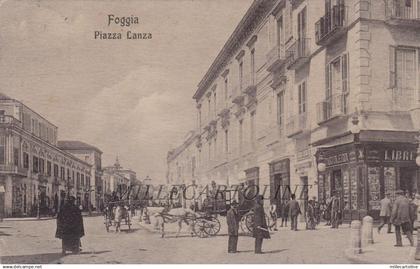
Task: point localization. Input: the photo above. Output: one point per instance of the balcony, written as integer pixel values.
(298, 53)
(13, 170)
(296, 124)
(331, 26)
(276, 58)
(332, 107)
(403, 12)
(5, 119)
(249, 85)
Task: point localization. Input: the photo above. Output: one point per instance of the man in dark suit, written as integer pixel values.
(401, 219)
(294, 211)
(260, 230)
(232, 219)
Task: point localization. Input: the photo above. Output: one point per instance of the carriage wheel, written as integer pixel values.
(212, 226)
(199, 228)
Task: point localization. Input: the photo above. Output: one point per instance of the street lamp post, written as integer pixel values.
(355, 130)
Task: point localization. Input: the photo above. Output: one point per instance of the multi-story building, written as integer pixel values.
(116, 179)
(35, 173)
(93, 192)
(321, 94)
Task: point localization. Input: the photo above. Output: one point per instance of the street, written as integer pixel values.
(34, 242)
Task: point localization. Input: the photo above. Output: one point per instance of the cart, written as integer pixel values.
(109, 216)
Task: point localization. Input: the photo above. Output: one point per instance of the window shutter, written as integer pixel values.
(392, 73)
(345, 72)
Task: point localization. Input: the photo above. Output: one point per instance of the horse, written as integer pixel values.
(178, 215)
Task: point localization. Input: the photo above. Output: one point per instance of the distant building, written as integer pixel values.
(93, 156)
(36, 174)
(117, 179)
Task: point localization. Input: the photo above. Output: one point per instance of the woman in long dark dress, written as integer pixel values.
(70, 226)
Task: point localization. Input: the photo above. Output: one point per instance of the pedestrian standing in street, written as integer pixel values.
(232, 219)
(385, 213)
(335, 211)
(284, 213)
(70, 227)
(118, 217)
(310, 216)
(260, 230)
(273, 215)
(317, 211)
(413, 211)
(294, 211)
(400, 217)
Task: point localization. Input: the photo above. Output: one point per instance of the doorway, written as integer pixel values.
(407, 181)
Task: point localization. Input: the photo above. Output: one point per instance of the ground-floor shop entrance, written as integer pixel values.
(362, 173)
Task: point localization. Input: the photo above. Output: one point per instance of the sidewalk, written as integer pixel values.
(382, 251)
(84, 214)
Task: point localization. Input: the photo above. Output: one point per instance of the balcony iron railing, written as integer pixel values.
(298, 53)
(6, 119)
(334, 106)
(249, 83)
(13, 169)
(403, 9)
(296, 124)
(276, 57)
(330, 26)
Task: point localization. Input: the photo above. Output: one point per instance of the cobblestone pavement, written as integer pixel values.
(34, 242)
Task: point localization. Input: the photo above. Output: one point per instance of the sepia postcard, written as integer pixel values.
(209, 132)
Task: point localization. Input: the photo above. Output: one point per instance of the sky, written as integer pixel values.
(131, 98)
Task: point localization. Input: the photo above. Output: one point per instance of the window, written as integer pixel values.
(227, 142)
(2, 149)
(25, 160)
(209, 106)
(337, 76)
(16, 156)
(215, 102)
(41, 166)
(279, 31)
(215, 148)
(35, 165)
(302, 97)
(62, 173)
(241, 74)
(226, 89)
(403, 68)
(48, 168)
(252, 128)
(83, 179)
(72, 177)
(253, 66)
(301, 24)
(56, 171)
(280, 108)
(78, 179)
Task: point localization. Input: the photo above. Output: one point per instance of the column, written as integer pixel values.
(8, 196)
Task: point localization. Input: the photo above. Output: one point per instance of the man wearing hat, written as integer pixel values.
(400, 217)
(385, 213)
(260, 230)
(232, 219)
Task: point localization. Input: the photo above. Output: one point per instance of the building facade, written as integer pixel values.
(117, 180)
(35, 173)
(94, 194)
(321, 96)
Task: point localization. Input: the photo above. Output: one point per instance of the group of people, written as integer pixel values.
(260, 228)
(402, 213)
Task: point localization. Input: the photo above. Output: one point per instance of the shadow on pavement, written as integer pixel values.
(94, 252)
(4, 234)
(44, 258)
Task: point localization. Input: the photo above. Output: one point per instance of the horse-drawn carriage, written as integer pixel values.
(116, 214)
